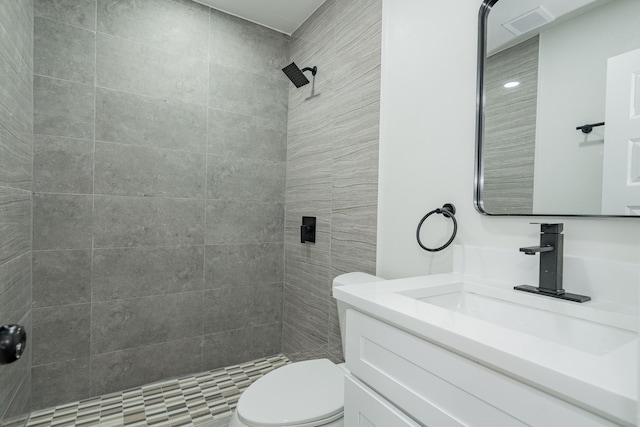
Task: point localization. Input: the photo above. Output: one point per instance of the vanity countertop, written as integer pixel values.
(602, 381)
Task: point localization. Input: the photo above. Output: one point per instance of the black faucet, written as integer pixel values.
(551, 256)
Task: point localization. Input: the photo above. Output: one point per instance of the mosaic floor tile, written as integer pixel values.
(205, 400)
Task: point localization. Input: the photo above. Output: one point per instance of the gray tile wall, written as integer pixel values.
(332, 168)
(16, 158)
(510, 129)
(158, 193)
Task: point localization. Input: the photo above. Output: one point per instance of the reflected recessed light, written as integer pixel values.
(511, 84)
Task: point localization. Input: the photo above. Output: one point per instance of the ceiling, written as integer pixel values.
(280, 15)
(504, 11)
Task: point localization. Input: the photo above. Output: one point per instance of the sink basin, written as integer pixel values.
(573, 332)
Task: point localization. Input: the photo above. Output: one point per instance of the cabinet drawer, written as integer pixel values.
(364, 408)
(441, 388)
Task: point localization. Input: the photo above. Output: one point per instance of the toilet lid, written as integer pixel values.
(296, 394)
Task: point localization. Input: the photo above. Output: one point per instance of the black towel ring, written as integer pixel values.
(448, 210)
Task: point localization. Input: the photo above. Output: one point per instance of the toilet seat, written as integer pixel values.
(284, 397)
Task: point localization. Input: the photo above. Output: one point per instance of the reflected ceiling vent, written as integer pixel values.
(529, 21)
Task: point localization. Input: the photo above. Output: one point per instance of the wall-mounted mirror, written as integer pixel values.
(546, 69)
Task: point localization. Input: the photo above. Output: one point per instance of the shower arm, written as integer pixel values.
(313, 70)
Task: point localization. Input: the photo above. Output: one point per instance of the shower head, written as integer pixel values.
(295, 74)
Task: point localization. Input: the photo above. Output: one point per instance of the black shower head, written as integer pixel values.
(295, 74)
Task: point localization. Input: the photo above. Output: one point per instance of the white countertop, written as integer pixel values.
(605, 384)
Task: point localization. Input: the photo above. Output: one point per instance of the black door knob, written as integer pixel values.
(13, 341)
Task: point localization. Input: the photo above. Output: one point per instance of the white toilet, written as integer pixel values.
(302, 394)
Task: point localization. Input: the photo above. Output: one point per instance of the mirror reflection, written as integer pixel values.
(560, 133)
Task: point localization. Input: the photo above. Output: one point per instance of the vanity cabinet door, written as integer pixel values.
(435, 385)
(364, 408)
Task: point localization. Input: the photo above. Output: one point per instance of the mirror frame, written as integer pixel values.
(478, 203)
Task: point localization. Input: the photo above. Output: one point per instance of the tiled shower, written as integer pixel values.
(172, 163)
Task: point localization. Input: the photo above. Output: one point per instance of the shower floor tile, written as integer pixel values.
(196, 400)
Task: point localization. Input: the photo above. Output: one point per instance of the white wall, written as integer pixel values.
(573, 62)
(427, 146)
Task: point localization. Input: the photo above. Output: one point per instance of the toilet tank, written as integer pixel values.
(350, 279)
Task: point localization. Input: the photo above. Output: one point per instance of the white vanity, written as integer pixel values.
(465, 349)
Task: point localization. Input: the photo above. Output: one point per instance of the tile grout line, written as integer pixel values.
(31, 198)
(93, 193)
(206, 179)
